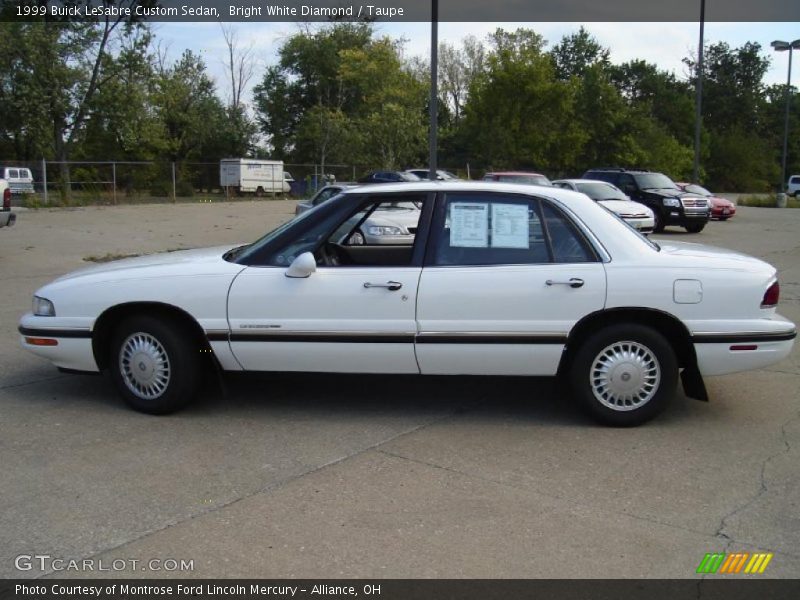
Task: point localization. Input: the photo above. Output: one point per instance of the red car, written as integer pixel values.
(721, 208)
(518, 177)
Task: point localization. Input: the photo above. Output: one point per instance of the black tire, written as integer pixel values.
(634, 353)
(694, 227)
(659, 225)
(157, 390)
(259, 193)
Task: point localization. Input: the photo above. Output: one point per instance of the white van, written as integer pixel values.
(793, 187)
(19, 179)
(253, 176)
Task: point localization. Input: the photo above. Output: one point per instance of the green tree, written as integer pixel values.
(518, 113)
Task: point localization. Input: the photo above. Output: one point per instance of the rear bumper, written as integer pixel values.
(723, 353)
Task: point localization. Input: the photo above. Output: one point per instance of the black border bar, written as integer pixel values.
(527, 11)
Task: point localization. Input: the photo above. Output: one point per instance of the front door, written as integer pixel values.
(355, 313)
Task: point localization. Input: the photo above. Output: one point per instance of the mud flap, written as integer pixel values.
(693, 385)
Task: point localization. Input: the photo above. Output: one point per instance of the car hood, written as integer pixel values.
(669, 193)
(398, 217)
(179, 259)
(626, 207)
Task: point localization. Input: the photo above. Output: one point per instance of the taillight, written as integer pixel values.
(7, 199)
(771, 296)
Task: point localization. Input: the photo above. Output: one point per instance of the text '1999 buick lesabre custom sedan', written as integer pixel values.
(500, 279)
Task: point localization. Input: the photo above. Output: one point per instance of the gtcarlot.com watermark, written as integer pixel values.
(46, 563)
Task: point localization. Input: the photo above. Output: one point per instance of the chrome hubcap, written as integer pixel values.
(625, 376)
(144, 365)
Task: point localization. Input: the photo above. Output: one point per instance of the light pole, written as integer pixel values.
(698, 117)
(781, 46)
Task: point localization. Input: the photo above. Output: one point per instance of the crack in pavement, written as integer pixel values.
(581, 505)
(545, 495)
(763, 487)
(46, 379)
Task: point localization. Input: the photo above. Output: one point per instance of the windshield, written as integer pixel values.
(696, 189)
(601, 191)
(655, 181)
(530, 179)
(244, 251)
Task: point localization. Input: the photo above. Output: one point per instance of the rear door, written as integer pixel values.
(506, 278)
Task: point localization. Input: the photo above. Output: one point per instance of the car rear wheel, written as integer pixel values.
(695, 227)
(624, 375)
(155, 368)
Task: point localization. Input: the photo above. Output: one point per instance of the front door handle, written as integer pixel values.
(392, 286)
(573, 283)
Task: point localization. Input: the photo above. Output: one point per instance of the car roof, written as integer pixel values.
(514, 173)
(584, 181)
(568, 197)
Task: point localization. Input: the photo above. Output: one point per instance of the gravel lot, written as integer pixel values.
(334, 476)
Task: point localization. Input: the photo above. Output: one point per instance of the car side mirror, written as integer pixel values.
(302, 266)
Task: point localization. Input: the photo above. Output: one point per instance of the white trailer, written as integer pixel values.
(253, 176)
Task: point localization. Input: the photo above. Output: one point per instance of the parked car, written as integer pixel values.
(7, 218)
(636, 215)
(388, 177)
(19, 179)
(793, 186)
(390, 224)
(721, 208)
(325, 193)
(670, 205)
(517, 177)
(441, 175)
(502, 279)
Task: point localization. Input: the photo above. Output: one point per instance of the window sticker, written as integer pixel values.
(469, 225)
(510, 226)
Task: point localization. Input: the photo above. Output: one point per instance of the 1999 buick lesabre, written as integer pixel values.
(501, 279)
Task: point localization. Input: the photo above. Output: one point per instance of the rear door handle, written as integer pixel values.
(392, 286)
(573, 283)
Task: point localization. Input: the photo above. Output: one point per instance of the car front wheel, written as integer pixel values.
(695, 227)
(624, 375)
(154, 367)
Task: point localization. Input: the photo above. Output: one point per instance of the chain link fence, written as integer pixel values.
(82, 182)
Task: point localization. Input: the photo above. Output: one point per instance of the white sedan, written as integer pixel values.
(501, 279)
(637, 215)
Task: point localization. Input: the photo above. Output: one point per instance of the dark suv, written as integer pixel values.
(670, 205)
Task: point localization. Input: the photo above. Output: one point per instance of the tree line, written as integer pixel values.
(340, 94)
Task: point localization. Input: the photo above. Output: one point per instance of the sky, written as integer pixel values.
(664, 44)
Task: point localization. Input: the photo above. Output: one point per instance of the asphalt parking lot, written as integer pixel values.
(343, 476)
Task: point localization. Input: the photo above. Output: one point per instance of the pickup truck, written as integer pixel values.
(6, 216)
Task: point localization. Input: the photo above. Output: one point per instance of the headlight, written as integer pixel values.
(376, 230)
(42, 307)
(672, 202)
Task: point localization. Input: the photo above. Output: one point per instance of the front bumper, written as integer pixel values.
(70, 347)
(723, 212)
(645, 225)
(7, 219)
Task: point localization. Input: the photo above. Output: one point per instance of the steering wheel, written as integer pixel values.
(330, 255)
